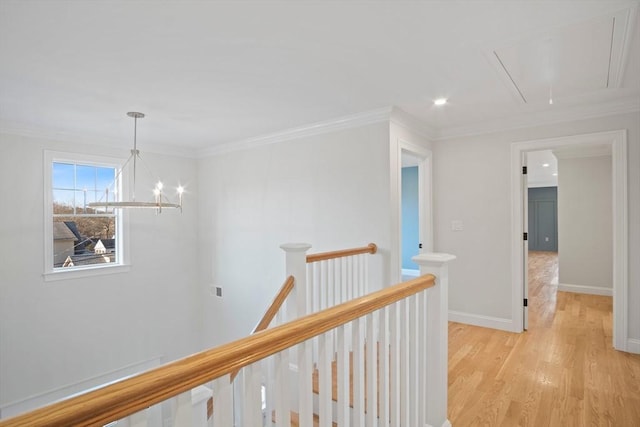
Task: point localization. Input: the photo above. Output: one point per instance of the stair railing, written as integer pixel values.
(402, 328)
(338, 276)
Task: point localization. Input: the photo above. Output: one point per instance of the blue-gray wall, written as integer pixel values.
(543, 219)
(410, 217)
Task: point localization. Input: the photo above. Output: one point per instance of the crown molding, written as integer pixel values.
(412, 124)
(30, 131)
(541, 118)
(318, 128)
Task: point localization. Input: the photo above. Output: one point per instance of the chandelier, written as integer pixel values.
(161, 201)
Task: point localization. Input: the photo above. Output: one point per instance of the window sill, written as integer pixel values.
(77, 273)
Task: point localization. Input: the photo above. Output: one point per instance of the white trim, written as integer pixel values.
(480, 320)
(633, 346)
(44, 398)
(318, 128)
(84, 272)
(618, 141)
(582, 289)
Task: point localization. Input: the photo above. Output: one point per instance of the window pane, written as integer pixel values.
(83, 235)
(63, 175)
(63, 201)
(82, 241)
(85, 177)
(105, 178)
(81, 201)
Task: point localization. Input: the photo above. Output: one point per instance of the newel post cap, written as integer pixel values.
(433, 258)
(295, 247)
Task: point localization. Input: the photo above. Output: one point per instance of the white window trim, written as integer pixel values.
(51, 274)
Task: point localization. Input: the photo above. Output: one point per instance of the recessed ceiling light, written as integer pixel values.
(440, 101)
(555, 174)
(545, 165)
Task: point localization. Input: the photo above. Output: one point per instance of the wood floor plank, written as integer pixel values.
(563, 371)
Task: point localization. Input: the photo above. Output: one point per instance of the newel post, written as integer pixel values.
(296, 266)
(437, 335)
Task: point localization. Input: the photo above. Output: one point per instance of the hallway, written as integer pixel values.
(563, 371)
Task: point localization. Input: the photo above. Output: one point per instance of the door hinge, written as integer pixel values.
(526, 302)
(419, 245)
(524, 170)
(525, 236)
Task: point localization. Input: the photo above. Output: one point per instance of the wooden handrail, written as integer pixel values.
(271, 312)
(275, 306)
(136, 393)
(371, 248)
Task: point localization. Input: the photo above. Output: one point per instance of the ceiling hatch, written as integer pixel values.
(568, 61)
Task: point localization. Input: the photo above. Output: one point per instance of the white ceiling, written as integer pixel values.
(211, 73)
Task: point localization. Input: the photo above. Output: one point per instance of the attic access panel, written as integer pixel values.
(568, 61)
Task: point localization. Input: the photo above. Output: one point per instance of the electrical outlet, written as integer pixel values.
(218, 291)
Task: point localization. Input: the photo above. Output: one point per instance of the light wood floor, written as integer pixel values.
(563, 371)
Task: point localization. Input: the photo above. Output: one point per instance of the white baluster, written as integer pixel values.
(404, 363)
(372, 370)
(199, 397)
(282, 386)
(414, 404)
(383, 366)
(223, 402)
(184, 410)
(358, 373)
(252, 399)
(324, 379)
(305, 386)
(394, 364)
(423, 356)
(342, 360)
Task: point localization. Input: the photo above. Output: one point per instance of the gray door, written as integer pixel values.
(543, 219)
(546, 233)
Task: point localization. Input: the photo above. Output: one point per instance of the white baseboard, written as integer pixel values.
(633, 346)
(581, 289)
(480, 320)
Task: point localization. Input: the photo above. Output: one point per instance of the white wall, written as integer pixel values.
(472, 184)
(54, 334)
(585, 223)
(329, 190)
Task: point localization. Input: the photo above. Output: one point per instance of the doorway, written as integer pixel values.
(414, 207)
(616, 143)
(410, 215)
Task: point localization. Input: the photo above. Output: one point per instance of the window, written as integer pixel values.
(78, 237)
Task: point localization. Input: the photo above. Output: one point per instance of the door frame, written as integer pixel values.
(617, 140)
(425, 201)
